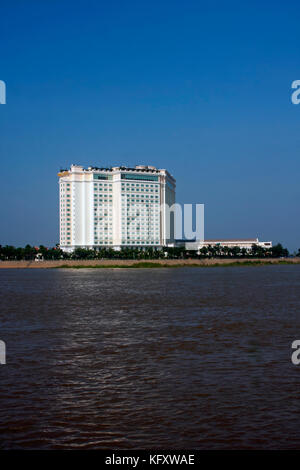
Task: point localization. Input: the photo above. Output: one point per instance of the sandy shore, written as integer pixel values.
(115, 263)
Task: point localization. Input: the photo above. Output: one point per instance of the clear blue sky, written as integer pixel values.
(200, 88)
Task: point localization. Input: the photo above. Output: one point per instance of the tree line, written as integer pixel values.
(216, 251)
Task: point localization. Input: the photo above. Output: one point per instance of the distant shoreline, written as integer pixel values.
(171, 263)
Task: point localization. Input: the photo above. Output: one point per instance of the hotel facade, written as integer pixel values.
(116, 207)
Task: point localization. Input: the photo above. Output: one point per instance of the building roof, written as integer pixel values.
(231, 240)
(138, 168)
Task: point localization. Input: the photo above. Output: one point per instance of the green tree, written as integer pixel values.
(278, 251)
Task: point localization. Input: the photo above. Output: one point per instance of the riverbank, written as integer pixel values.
(171, 263)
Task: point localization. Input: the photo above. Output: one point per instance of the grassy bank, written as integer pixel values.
(142, 265)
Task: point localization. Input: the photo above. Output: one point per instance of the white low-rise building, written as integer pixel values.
(246, 243)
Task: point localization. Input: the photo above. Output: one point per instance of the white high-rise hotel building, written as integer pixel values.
(116, 207)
